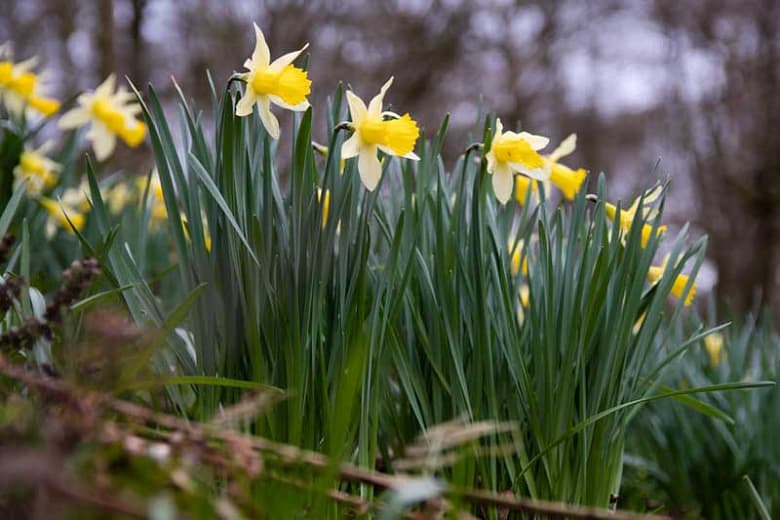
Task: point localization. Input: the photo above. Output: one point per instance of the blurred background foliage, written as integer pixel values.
(694, 84)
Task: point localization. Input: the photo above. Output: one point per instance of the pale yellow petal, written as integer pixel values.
(300, 107)
(103, 141)
(537, 142)
(246, 103)
(286, 59)
(375, 106)
(566, 147)
(357, 109)
(261, 56)
(369, 167)
(351, 147)
(502, 183)
(74, 118)
(269, 120)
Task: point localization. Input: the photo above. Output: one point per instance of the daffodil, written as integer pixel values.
(377, 130)
(40, 172)
(73, 205)
(713, 344)
(111, 114)
(649, 211)
(512, 153)
(118, 197)
(524, 297)
(566, 179)
(20, 89)
(655, 273)
(278, 82)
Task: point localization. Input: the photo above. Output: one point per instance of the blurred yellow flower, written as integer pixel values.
(111, 114)
(118, 197)
(713, 344)
(204, 221)
(20, 88)
(156, 203)
(566, 179)
(278, 82)
(394, 136)
(511, 152)
(655, 273)
(40, 172)
(73, 205)
(649, 211)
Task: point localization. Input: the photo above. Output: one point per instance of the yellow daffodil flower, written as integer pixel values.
(566, 179)
(524, 295)
(40, 172)
(713, 344)
(73, 203)
(512, 153)
(394, 136)
(118, 197)
(111, 114)
(20, 89)
(278, 82)
(655, 273)
(649, 211)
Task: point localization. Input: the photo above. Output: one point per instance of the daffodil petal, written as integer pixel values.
(537, 142)
(375, 106)
(300, 107)
(369, 167)
(357, 109)
(286, 59)
(351, 147)
(74, 118)
(540, 174)
(502, 184)
(246, 103)
(103, 141)
(566, 147)
(261, 56)
(269, 120)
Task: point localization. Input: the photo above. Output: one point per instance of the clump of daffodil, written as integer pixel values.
(648, 212)
(713, 344)
(73, 205)
(375, 130)
(655, 273)
(566, 179)
(20, 88)
(278, 82)
(110, 115)
(512, 153)
(40, 172)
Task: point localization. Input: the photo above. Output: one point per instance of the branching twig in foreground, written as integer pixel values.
(290, 454)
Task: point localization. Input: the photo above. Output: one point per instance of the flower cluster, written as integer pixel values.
(20, 88)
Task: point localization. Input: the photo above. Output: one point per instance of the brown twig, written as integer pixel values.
(293, 455)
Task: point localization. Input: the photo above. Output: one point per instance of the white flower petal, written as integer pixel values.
(246, 103)
(269, 120)
(74, 118)
(282, 61)
(107, 87)
(369, 167)
(540, 174)
(357, 109)
(300, 107)
(503, 182)
(537, 142)
(351, 147)
(375, 106)
(566, 147)
(103, 141)
(261, 56)
(411, 155)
